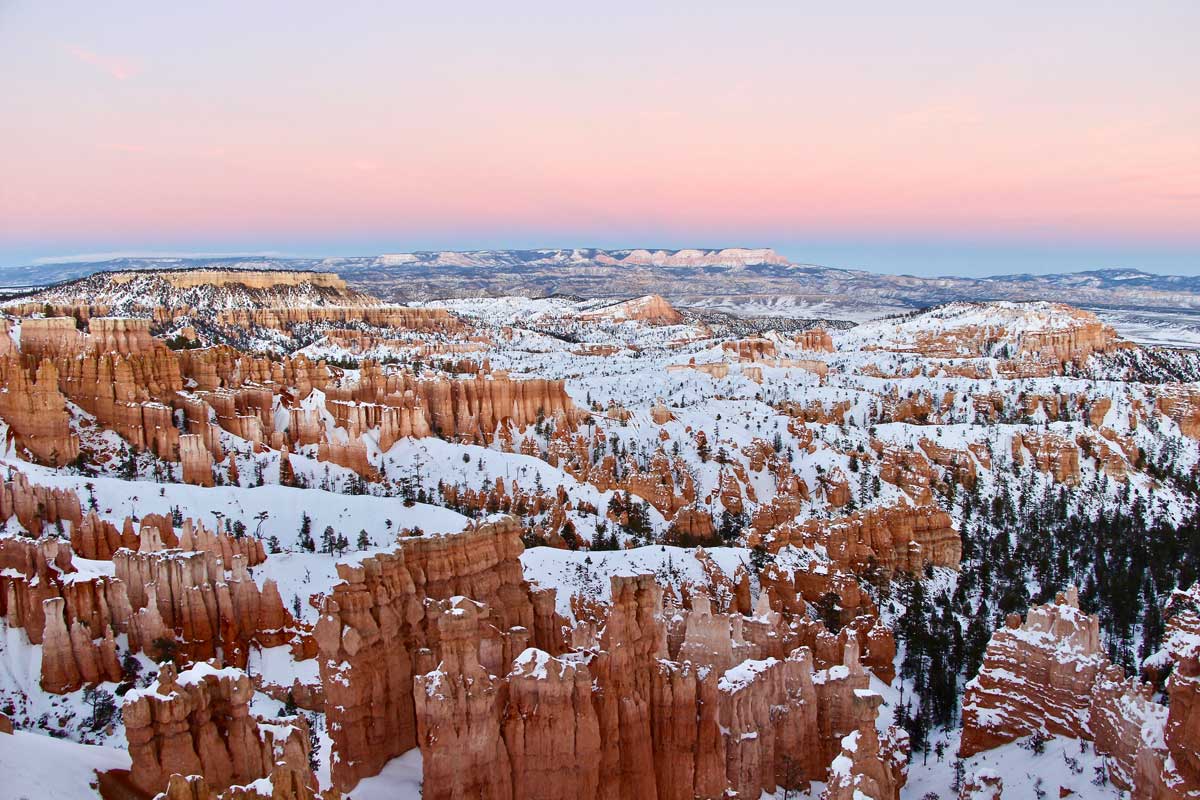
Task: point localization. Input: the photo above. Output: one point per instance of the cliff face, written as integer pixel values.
(189, 586)
(183, 597)
(284, 783)
(402, 317)
(1050, 453)
(1040, 674)
(50, 337)
(704, 725)
(1031, 335)
(198, 722)
(374, 626)
(120, 335)
(1050, 676)
(443, 646)
(252, 279)
(74, 618)
(1182, 404)
(897, 538)
(36, 412)
(402, 404)
(188, 597)
(817, 339)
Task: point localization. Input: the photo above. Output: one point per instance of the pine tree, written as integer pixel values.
(306, 539)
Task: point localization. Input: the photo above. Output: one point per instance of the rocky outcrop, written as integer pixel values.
(375, 625)
(187, 597)
(249, 278)
(198, 722)
(982, 785)
(869, 766)
(1030, 339)
(894, 538)
(1037, 675)
(120, 335)
(284, 318)
(351, 454)
(36, 412)
(815, 339)
(1050, 453)
(441, 645)
(1084, 336)
(50, 337)
(305, 426)
(757, 349)
(284, 783)
(197, 460)
(1049, 676)
(223, 367)
(458, 709)
(958, 463)
(651, 309)
(472, 409)
(70, 659)
(72, 616)
(1181, 404)
(550, 728)
(131, 394)
(35, 506)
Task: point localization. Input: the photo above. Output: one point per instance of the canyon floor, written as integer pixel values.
(265, 533)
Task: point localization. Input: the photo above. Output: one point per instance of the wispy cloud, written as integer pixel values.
(119, 68)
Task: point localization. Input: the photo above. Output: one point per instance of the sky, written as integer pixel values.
(924, 137)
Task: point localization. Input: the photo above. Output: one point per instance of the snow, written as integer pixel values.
(36, 766)
(741, 675)
(587, 574)
(275, 666)
(400, 779)
(283, 506)
(1066, 763)
(533, 663)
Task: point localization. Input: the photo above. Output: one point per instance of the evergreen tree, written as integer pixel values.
(306, 539)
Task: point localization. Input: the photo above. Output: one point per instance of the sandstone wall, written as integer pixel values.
(198, 722)
(895, 538)
(1050, 676)
(443, 646)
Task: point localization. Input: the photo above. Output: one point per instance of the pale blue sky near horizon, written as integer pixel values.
(924, 259)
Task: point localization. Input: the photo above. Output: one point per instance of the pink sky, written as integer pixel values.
(356, 127)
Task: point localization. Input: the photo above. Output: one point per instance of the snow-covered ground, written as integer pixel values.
(38, 767)
(284, 507)
(1162, 328)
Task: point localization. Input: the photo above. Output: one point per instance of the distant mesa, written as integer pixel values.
(251, 279)
(163, 293)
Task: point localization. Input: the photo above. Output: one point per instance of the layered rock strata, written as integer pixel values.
(443, 646)
(1049, 676)
(198, 722)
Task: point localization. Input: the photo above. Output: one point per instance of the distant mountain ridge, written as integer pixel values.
(756, 280)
